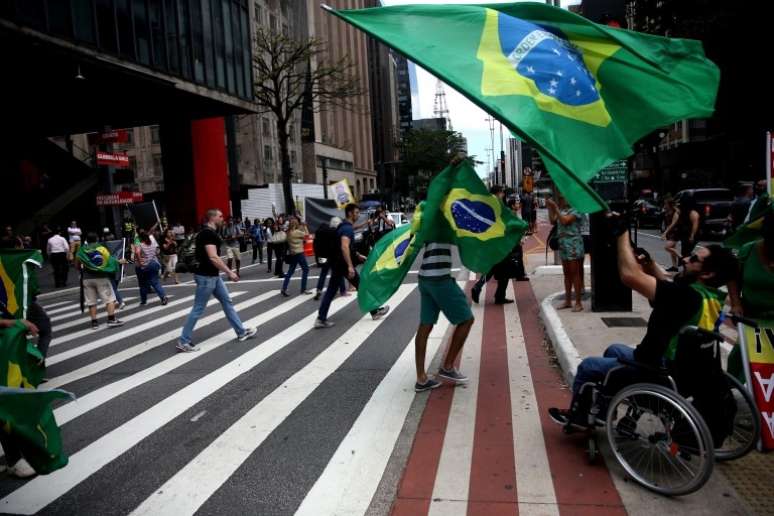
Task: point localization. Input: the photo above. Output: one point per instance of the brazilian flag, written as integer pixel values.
(24, 410)
(459, 210)
(18, 281)
(97, 258)
(581, 93)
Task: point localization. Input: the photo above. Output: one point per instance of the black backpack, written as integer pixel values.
(325, 239)
(187, 255)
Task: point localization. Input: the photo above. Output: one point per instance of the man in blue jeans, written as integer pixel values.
(208, 283)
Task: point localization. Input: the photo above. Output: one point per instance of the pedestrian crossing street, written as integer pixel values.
(304, 421)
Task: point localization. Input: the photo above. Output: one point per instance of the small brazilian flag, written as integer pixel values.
(18, 281)
(97, 258)
(459, 210)
(753, 230)
(25, 411)
(579, 92)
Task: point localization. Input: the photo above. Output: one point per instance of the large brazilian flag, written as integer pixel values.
(18, 280)
(459, 210)
(24, 410)
(96, 257)
(579, 92)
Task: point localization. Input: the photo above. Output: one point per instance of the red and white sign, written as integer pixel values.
(112, 159)
(116, 136)
(118, 198)
(758, 355)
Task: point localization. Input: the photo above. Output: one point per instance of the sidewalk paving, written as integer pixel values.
(743, 486)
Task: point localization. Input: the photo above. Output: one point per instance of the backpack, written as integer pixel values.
(325, 242)
(187, 261)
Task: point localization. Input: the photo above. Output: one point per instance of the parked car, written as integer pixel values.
(714, 207)
(398, 218)
(647, 213)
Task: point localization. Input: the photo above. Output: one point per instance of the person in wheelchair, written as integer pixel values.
(694, 299)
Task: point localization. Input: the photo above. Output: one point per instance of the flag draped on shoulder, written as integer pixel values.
(753, 229)
(579, 92)
(18, 281)
(459, 210)
(97, 258)
(24, 410)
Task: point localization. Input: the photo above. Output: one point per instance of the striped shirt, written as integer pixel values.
(436, 261)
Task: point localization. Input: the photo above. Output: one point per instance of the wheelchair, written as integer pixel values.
(656, 433)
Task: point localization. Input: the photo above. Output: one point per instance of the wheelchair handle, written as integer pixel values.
(695, 330)
(737, 319)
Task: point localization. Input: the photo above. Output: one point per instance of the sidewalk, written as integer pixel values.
(743, 486)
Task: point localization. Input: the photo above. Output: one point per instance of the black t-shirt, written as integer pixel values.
(206, 236)
(674, 307)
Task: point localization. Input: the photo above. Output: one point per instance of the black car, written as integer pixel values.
(648, 214)
(713, 205)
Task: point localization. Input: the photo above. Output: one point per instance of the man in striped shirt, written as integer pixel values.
(439, 292)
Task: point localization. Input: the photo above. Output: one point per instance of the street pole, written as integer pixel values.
(502, 154)
(325, 177)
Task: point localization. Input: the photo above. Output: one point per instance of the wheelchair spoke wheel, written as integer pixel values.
(747, 424)
(660, 439)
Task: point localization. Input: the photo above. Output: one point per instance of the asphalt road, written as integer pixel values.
(650, 240)
(262, 418)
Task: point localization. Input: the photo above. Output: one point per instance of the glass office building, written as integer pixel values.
(206, 42)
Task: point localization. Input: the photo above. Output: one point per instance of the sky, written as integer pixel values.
(466, 117)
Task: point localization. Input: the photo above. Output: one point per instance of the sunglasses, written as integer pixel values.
(694, 258)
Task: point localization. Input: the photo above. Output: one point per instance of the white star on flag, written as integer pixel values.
(577, 93)
(554, 83)
(569, 56)
(551, 90)
(573, 81)
(559, 73)
(530, 69)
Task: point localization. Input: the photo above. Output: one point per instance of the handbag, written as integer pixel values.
(279, 237)
(553, 238)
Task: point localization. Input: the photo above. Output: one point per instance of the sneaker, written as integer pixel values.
(429, 384)
(475, 293)
(317, 296)
(285, 294)
(452, 375)
(381, 312)
(22, 469)
(306, 292)
(248, 334)
(121, 306)
(94, 324)
(559, 416)
(164, 301)
(115, 323)
(522, 278)
(504, 301)
(186, 348)
(319, 323)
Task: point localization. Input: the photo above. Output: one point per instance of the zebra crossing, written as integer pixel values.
(296, 421)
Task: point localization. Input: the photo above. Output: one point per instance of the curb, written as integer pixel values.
(566, 353)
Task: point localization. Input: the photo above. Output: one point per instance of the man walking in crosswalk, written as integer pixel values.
(208, 283)
(440, 293)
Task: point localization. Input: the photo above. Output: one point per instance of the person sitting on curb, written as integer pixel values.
(675, 305)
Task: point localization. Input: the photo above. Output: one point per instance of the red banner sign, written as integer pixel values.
(112, 159)
(118, 198)
(117, 136)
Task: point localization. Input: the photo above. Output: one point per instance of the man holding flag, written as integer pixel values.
(97, 266)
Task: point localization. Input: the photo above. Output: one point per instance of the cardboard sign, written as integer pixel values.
(341, 193)
(758, 354)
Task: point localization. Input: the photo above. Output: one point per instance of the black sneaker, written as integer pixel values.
(317, 296)
(475, 293)
(284, 294)
(164, 301)
(115, 323)
(381, 312)
(565, 418)
(452, 375)
(94, 324)
(503, 301)
(429, 385)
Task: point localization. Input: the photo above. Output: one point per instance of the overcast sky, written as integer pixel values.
(466, 118)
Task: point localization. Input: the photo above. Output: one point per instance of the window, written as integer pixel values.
(267, 153)
(293, 156)
(272, 22)
(133, 165)
(258, 14)
(285, 31)
(155, 138)
(292, 133)
(130, 136)
(266, 127)
(157, 168)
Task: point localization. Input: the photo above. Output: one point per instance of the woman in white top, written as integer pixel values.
(147, 267)
(74, 236)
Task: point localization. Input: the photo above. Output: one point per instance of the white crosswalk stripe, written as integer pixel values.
(76, 311)
(83, 321)
(41, 491)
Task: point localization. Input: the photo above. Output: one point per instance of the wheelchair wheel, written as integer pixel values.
(747, 424)
(660, 439)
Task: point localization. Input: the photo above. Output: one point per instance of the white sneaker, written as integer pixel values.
(381, 312)
(322, 324)
(248, 334)
(307, 292)
(22, 469)
(186, 348)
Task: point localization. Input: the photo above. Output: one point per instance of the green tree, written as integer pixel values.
(289, 73)
(425, 153)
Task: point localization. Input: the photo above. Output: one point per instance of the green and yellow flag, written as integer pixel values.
(97, 258)
(579, 92)
(18, 281)
(459, 210)
(753, 230)
(26, 411)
